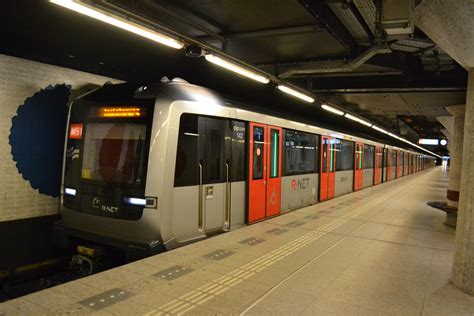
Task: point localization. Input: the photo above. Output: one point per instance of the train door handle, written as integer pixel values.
(200, 200)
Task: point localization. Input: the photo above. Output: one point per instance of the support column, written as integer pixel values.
(463, 266)
(456, 142)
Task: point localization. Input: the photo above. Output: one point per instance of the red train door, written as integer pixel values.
(378, 165)
(264, 171)
(327, 168)
(358, 166)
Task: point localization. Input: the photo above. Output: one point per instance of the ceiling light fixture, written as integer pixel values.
(352, 117)
(236, 68)
(295, 93)
(379, 129)
(357, 119)
(119, 22)
(331, 109)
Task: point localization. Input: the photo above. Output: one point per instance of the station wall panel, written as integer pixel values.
(19, 80)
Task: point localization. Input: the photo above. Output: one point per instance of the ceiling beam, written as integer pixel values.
(272, 32)
(179, 15)
(326, 17)
(388, 90)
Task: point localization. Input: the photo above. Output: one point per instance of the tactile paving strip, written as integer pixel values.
(295, 224)
(218, 254)
(173, 272)
(277, 231)
(105, 299)
(251, 241)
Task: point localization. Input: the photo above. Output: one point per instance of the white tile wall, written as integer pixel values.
(20, 79)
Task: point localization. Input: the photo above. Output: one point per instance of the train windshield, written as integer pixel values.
(115, 153)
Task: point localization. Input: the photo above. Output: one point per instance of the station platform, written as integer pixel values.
(379, 251)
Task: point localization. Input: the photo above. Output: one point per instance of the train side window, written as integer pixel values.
(238, 157)
(359, 156)
(186, 170)
(258, 147)
(345, 155)
(212, 145)
(325, 156)
(368, 156)
(332, 155)
(300, 154)
(274, 153)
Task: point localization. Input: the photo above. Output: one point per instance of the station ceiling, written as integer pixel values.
(332, 48)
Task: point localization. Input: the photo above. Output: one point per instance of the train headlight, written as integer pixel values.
(148, 202)
(134, 201)
(70, 191)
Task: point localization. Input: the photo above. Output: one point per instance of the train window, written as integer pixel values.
(325, 156)
(379, 154)
(345, 155)
(359, 154)
(116, 152)
(258, 147)
(394, 158)
(274, 152)
(212, 144)
(186, 170)
(300, 153)
(332, 155)
(238, 151)
(368, 156)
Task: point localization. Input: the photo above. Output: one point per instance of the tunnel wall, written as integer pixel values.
(21, 79)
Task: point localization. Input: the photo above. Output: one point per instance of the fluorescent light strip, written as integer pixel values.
(352, 117)
(236, 68)
(357, 119)
(331, 109)
(295, 93)
(119, 22)
(365, 123)
(379, 129)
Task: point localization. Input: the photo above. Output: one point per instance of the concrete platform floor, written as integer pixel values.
(380, 251)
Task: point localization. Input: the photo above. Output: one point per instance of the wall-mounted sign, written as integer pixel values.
(428, 141)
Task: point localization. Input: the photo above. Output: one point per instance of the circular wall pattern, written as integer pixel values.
(37, 138)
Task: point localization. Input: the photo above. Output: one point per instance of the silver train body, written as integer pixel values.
(142, 208)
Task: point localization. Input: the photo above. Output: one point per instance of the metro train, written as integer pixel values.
(150, 168)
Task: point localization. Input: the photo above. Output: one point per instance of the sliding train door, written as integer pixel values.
(209, 193)
(328, 168)
(358, 166)
(264, 182)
